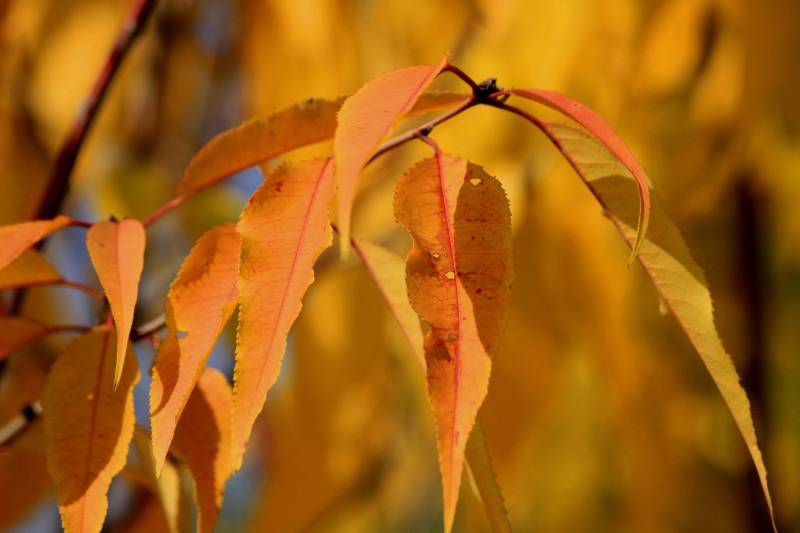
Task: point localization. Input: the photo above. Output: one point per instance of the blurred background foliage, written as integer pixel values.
(600, 417)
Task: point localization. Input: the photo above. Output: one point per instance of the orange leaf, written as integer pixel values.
(22, 466)
(18, 331)
(284, 228)
(117, 253)
(603, 132)
(17, 238)
(203, 442)
(199, 304)
(30, 268)
(88, 426)
(458, 275)
(364, 120)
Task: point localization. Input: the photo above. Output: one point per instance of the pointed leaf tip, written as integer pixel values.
(117, 253)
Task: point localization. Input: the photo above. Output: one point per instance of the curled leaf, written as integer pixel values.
(283, 229)
(598, 127)
(365, 119)
(88, 426)
(458, 275)
(669, 264)
(17, 238)
(117, 253)
(199, 304)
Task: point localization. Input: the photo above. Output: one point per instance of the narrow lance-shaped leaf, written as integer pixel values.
(388, 271)
(365, 119)
(88, 426)
(669, 264)
(199, 304)
(598, 127)
(259, 140)
(203, 442)
(17, 238)
(30, 268)
(458, 275)
(284, 228)
(117, 253)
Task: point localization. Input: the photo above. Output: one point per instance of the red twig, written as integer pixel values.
(84, 288)
(163, 210)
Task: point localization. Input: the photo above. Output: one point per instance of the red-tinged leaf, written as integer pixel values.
(388, 271)
(203, 442)
(17, 332)
(669, 264)
(283, 228)
(199, 304)
(598, 127)
(458, 275)
(30, 268)
(17, 238)
(88, 426)
(259, 140)
(117, 253)
(365, 119)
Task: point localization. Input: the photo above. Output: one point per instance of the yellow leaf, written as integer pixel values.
(18, 331)
(364, 120)
(117, 253)
(283, 228)
(199, 304)
(88, 426)
(458, 275)
(668, 262)
(30, 268)
(480, 466)
(17, 238)
(203, 442)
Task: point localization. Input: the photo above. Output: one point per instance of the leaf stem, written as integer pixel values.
(163, 210)
(82, 287)
(464, 76)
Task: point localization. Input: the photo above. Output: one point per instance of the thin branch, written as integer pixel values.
(464, 76)
(163, 210)
(94, 293)
(150, 328)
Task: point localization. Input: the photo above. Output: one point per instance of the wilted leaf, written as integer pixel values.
(30, 268)
(203, 442)
(364, 120)
(117, 253)
(603, 132)
(458, 275)
(18, 331)
(88, 426)
(17, 238)
(667, 260)
(283, 228)
(199, 304)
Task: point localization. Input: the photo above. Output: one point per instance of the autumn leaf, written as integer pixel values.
(203, 442)
(17, 238)
(458, 275)
(22, 466)
(199, 304)
(259, 140)
(667, 261)
(364, 120)
(17, 332)
(88, 426)
(479, 464)
(30, 268)
(117, 253)
(598, 127)
(284, 228)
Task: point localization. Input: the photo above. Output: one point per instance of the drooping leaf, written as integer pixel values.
(284, 228)
(30, 268)
(603, 132)
(388, 271)
(458, 275)
(18, 331)
(199, 304)
(117, 253)
(88, 426)
(667, 261)
(259, 140)
(17, 238)
(364, 120)
(203, 442)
